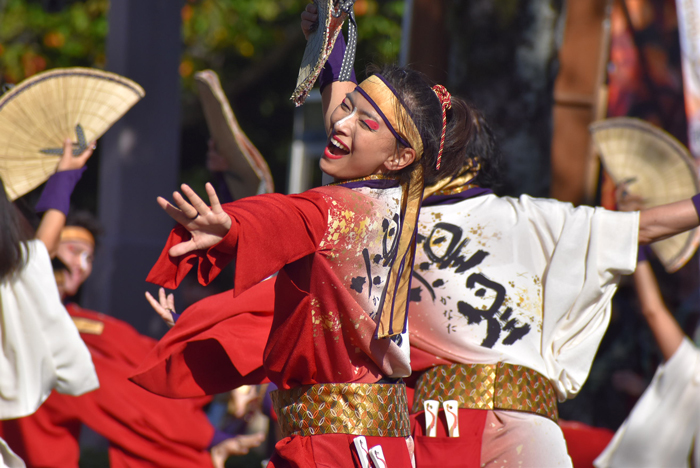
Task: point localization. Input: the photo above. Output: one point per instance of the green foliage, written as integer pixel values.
(254, 45)
(32, 39)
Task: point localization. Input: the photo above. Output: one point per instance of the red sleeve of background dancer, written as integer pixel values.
(48, 437)
(156, 430)
(215, 346)
(267, 232)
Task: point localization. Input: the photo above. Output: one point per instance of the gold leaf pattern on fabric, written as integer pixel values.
(453, 185)
(360, 409)
(489, 386)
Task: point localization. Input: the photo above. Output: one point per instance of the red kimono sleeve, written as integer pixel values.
(215, 346)
(267, 232)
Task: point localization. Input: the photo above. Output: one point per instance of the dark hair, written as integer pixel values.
(12, 238)
(85, 220)
(469, 139)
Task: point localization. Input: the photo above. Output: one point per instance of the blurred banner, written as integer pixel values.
(644, 72)
(689, 30)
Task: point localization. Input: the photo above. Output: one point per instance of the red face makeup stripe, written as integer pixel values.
(372, 124)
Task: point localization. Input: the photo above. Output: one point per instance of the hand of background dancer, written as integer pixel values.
(309, 20)
(68, 162)
(53, 221)
(239, 445)
(626, 201)
(164, 306)
(206, 225)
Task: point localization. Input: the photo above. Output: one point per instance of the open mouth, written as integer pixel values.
(335, 149)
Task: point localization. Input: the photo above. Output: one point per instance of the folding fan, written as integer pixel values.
(248, 172)
(331, 15)
(660, 170)
(38, 114)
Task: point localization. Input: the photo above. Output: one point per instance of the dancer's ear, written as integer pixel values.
(403, 157)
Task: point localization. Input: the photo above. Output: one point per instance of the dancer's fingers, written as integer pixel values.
(172, 211)
(164, 313)
(188, 210)
(195, 201)
(85, 155)
(182, 248)
(213, 199)
(162, 299)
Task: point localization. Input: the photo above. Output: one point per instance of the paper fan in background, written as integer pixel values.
(661, 171)
(38, 114)
(248, 172)
(318, 47)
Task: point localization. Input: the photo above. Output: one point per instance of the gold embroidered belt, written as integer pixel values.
(488, 386)
(343, 408)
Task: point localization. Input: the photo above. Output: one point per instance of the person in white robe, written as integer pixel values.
(663, 428)
(40, 347)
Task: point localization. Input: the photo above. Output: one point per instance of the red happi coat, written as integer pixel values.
(332, 247)
(216, 345)
(144, 430)
(324, 243)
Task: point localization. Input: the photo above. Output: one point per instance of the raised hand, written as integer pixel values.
(164, 306)
(206, 225)
(69, 162)
(309, 20)
(626, 201)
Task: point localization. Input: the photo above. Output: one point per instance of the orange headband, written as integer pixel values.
(77, 233)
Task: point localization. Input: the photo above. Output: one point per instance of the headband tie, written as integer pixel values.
(77, 233)
(445, 99)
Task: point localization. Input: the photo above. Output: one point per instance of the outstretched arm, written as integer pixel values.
(666, 330)
(665, 221)
(659, 222)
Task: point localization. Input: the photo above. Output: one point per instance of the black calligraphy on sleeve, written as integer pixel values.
(500, 323)
(390, 240)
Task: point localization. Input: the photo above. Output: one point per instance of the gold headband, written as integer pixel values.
(77, 233)
(384, 99)
(394, 308)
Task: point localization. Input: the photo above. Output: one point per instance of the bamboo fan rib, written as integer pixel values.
(38, 114)
(661, 170)
(318, 47)
(248, 172)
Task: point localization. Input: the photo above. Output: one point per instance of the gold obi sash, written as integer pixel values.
(488, 386)
(343, 408)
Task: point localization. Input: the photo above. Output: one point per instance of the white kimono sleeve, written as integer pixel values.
(591, 249)
(41, 348)
(663, 428)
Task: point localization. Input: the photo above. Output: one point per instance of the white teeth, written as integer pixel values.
(338, 145)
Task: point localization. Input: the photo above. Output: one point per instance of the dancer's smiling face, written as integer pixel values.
(360, 143)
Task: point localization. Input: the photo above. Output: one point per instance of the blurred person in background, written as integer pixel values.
(41, 349)
(143, 429)
(663, 428)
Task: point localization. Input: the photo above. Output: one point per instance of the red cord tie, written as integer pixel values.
(445, 99)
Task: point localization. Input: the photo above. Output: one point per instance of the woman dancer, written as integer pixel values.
(344, 256)
(511, 300)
